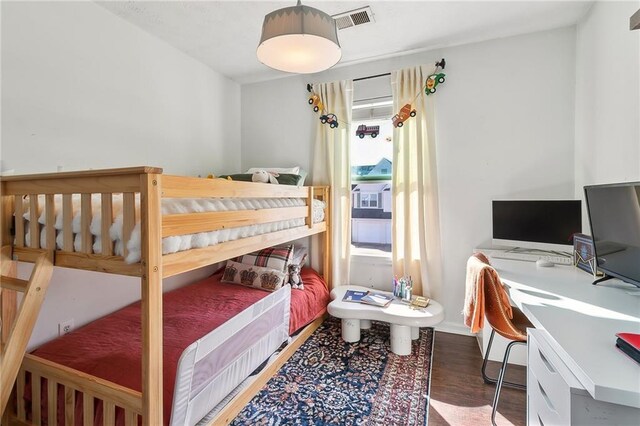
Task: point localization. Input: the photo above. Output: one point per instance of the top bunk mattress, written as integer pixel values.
(170, 244)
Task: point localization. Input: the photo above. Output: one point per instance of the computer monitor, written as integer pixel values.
(614, 216)
(537, 224)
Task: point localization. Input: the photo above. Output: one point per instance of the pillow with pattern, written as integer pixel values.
(253, 276)
(277, 258)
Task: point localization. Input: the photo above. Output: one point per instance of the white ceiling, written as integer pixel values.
(224, 34)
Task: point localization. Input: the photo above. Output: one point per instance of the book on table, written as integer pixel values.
(354, 296)
(377, 299)
(629, 343)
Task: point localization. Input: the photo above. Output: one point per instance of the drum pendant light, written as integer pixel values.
(299, 39)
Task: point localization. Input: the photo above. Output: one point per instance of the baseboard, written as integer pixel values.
(454, 328)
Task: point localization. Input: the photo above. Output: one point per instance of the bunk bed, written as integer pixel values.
(132, 200)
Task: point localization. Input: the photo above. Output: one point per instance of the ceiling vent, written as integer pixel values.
(354, 17)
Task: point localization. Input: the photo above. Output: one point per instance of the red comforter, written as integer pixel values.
(110, 347)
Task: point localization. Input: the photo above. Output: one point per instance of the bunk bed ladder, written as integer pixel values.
(33, 291)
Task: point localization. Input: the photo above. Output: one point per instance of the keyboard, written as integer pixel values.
(527, 257)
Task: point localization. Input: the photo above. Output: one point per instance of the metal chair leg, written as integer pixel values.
(503, 369)
(490, 380)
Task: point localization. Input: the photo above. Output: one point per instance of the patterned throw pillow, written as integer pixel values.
(277, 258)
(253, 276)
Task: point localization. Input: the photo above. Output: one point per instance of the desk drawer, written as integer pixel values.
(541, 411)
(550, 378)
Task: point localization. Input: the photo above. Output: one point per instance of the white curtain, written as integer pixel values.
(331, 166)
(416, 244)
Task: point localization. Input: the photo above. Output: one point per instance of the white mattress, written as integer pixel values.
(170, 206)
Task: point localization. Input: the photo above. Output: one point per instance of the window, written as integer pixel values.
(369, 201)
(371, 166)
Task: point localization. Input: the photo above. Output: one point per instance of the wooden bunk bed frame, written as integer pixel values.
(152, 186)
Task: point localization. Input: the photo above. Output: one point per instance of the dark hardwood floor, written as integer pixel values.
(458, 394)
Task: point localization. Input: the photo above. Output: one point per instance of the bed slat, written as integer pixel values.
(182, 261)
(34, 226)
(85, 223)
(128, 218)
(15, 284)
(71, 185)
(50, 221)
(108, 414)
(106, 219)
(52, 402)
(69, 406)
(130, 418)
(84, 382)
(87, 409)
(189, 187)
(19, 211)
(22, 414)
(67, 219)
(36, 395)
(192, 223)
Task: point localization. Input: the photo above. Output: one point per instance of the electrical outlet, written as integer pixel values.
(65, 327)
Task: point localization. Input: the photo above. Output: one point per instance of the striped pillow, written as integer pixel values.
(277, 258)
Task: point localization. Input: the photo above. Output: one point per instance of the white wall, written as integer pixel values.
(607, 97)
(82, 88)
(505, 123)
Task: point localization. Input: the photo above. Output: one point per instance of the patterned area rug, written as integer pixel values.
(330, 382)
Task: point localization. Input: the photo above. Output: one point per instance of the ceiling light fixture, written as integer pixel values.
(299, 39)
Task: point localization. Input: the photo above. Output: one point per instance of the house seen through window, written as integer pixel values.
(371, 153)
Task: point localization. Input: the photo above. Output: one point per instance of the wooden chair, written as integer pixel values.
(514, 329)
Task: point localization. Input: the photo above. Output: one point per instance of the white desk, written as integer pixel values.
(579, 323)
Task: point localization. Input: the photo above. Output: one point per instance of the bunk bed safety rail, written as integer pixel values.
(70, 394)
(91, 218)
(55, 211)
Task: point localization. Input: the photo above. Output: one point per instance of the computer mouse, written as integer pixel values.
(543, 263)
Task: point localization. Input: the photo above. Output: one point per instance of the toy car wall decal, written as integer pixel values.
(367, 130)
(403, 115)
(315, 101)
(432, 81)
(329, 118)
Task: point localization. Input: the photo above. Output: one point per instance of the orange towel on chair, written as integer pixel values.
(478, 271)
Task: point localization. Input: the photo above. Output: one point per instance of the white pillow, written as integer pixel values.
(290, 170)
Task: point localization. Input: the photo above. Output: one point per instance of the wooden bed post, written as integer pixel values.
(8, 300)
(151, 224)
(326, 267)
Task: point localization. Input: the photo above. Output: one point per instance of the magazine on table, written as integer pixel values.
(377, 299)
(354, 296)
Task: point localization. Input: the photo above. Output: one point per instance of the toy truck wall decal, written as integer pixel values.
(403, 115)
(315, 101)
(329, 118)
(367, 130)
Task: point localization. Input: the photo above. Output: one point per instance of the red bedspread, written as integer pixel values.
(310, 303)
(110, 347)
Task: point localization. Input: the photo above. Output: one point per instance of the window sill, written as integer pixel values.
(363, 255)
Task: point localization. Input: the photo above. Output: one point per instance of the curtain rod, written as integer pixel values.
(440, 64)
(372, 76)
